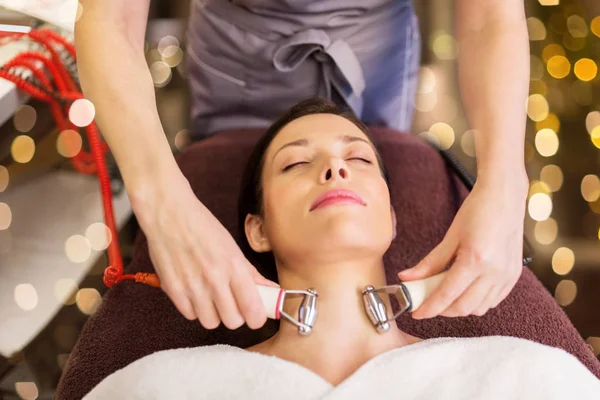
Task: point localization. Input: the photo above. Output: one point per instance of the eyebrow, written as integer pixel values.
(304, 142)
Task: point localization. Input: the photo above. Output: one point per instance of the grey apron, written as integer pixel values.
(250, 60)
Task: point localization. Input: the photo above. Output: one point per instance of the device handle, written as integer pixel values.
(271, 298)
(420, 289)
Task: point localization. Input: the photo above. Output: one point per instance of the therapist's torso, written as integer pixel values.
(250, 60)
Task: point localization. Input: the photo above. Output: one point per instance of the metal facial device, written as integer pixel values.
(274, 297)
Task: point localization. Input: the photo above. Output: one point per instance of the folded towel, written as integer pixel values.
(493, 367)
(135, 320)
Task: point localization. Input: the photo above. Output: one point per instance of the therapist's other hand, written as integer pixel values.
(201, 267)
(485, 244)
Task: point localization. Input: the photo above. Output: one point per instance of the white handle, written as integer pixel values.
(420, 289)
(271, 298)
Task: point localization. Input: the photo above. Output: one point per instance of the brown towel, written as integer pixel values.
(135, 320)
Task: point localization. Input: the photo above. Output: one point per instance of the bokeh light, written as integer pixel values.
(537, 107)
(558, 67)
(585, 69)
(538, 87)
(444, 133)
(546, 142)
(172, 56)
(27, 390)
(425, 102)
(566, 292)
(590, 188)
(26, 296)
(551, 122)
(537, 69)
(161, 73)
(182, 139)
(536, 29)
(595, 137)
(595, 343)
(99, 236)
(5, 216)
(78, 249)
(552, 50)
(595, 206)
(467, 143)
(540, 206)
(573, 43)
(82, 112)
(552, 176)
(165, 42)
(427, 81)
(69, 143)
(65, 291)
(444, 45)
(592, 121)
(549, 2)
(88, 300)
(4, 178)
(563, 260)
(577, 26)
(22, 149)
(539, 187)
(595, 26)
(545, 232)
(25, 118)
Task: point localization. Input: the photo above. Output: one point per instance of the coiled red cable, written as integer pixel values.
(60, 91)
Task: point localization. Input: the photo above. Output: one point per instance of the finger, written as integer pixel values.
(452, 286)
(433, 262)
(472, 298)
(487, 302)
(224, 301)
(259, 279)
(248, 301)
(203, 304)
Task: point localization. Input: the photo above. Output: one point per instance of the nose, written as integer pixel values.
(334, 169)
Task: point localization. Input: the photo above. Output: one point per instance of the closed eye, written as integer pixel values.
(293, 165)
(362, 159)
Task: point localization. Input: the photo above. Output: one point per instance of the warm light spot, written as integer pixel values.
(577, 26)
(537, 69)
(546, 142)
(172, 56)
(425, 102)
(78, 248)
(161, 73)
(595, 26)
(69, 143)
(82, 112)
(565, 292)
(166, 42)
(467, 143)
(537, 107)
(594, 341)
(595, 137)
(427, 81)
(536, 29)
(573, 43)
(88, 300)
(65, 291)
(182, 139)
(25, 118)
(549, 2)
(563, 260)
(545, 232)
(595, 206)
(26, 296)
(99, 236)
(552, 175)
(552, 50)
(22, 149)
(538, 187)
(590, 188)
(592, 121)
(4, 178)
(559, 67)
(430, 137)
(444, 133)
(5, 216)
(585, 69)
(27, 390)
(444, 46)
(538, 87)
(551, 122)
(540, 206)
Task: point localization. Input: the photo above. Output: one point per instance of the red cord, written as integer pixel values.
(87, 163)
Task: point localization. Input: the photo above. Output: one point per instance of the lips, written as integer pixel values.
(337, 195)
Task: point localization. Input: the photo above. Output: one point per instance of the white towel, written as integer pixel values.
(490, 368)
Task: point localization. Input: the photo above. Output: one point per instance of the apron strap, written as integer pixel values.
(340, 67)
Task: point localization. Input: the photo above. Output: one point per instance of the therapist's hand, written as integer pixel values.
(485, 241)
(201, 267)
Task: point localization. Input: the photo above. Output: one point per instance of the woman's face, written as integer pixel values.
(308, 158)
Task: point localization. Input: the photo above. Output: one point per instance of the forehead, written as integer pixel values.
(314, 128)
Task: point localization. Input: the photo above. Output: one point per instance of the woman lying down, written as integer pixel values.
(337, 248)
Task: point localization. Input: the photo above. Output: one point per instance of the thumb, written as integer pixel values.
(259, 279)
(433, 263)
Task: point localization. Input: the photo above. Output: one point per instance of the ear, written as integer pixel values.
(254, 228)
(394, 222)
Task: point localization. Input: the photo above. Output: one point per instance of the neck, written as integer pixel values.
(342, 326)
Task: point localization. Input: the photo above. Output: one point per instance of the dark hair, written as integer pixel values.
(250, 200)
